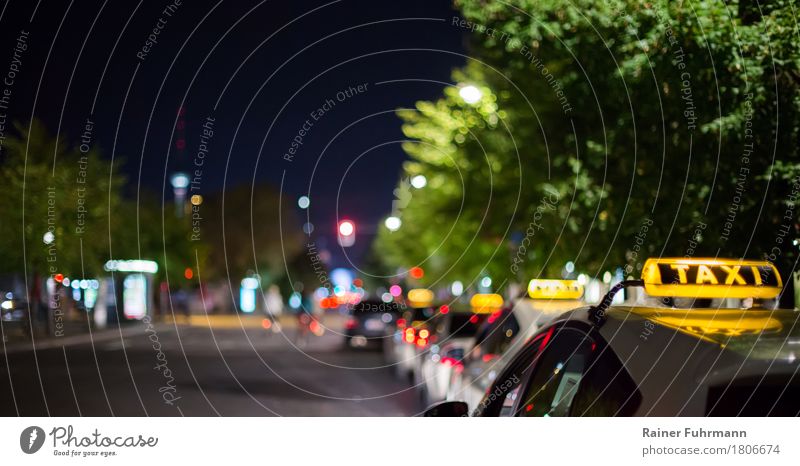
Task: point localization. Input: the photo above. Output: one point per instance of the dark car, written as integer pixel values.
(368, 322)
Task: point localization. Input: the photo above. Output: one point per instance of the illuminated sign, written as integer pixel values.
(134, 296)
(711, 278)
(555, 289)
(486, 303)
(144, 266)
(420, 297)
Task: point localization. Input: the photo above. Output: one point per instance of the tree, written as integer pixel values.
(57, 206)
(665, 128)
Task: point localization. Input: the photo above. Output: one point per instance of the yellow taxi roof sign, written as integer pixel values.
(486, 303)
(711, 278)
(554, 289)
(420, 297)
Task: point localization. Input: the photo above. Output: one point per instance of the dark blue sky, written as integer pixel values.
(208, 52)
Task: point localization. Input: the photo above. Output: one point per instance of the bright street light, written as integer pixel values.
(393, 223)
(419, 181)
(303, 202)
(470, 94)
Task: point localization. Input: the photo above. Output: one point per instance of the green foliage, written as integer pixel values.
(48, 186)
(682, 115)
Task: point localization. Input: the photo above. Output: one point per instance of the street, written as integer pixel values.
(216, 371)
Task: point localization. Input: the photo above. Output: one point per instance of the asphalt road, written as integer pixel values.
(203, 371)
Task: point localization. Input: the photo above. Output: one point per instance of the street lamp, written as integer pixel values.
(470, 94)
(303, 202)
(393, 223)
(179, 181)
(419, 181)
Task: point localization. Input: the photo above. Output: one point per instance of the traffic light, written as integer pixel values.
(346, 232)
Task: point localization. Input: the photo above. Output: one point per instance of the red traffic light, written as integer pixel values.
(347, 228)
(416, 272)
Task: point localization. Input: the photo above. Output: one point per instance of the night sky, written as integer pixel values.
(259, 69)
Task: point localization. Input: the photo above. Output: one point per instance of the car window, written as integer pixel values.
(463, 325)
(606, 389)
(421, 313)
(502, 394)
(497, 333)
(557, 374)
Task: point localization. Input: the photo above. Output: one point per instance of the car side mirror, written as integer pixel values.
(447, 409)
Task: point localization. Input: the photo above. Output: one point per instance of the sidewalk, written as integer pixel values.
(165, 324)
(107, 334)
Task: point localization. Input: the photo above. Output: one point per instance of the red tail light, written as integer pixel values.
(351, 323)
(488, 357)
(448, 361)
(409, 335)
(401, 323)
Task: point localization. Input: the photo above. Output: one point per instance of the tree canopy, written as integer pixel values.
(606, 132)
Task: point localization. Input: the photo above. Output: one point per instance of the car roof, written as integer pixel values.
(697, 348)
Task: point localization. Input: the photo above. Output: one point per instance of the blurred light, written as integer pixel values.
(84, 284)
(94, 284)
(308, 228)
(416, 272)
(338, 290)
(89, 298)
(322, 292)
(188, 273)
(76, 293)
(570, 267)
(470, 94)
(386, 297)
(75, 284)
(179, 180)
(59, 277)
(346, 228)
(457, 288)
(250, 283)
(266, 324)
(393, 223)
(444, 308)
(582, 279)
(607, 277)
(419, 181)
(131, 266)
(395, 290)
(49, 237)
(196, 199)
(9, 295)
(386, 318)
(8, 304)
(420, 297)
(303, 202)
(295, 301)
(66, 281)
(358, 282)
(486, 282)
(342, 277)
(424, 333)
(247, 299)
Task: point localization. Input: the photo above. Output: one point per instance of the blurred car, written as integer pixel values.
(453, 336)
(368, 322)
(702, 355)
(411, 330)
(14, 314)
(506, 331)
